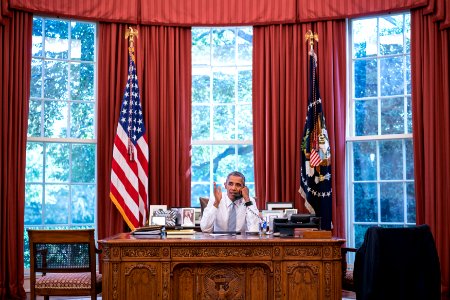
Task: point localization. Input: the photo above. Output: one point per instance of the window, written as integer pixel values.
(222, 125)
(379, 139)
(60, 180)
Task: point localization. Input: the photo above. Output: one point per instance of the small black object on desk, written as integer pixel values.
(286, 227)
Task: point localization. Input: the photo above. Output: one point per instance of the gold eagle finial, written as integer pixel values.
(130, 33)
(311, 37)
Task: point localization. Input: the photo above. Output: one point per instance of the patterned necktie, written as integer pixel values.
(232, 218)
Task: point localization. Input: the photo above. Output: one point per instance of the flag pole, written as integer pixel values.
(130, 33)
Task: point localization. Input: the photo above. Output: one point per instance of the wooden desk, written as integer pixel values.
(202, 266)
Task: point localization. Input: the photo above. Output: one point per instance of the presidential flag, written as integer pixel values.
(315, 185)
(129, 174)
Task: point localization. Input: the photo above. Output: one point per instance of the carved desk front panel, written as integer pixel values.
(203, 266)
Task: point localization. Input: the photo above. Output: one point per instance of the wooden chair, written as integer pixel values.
(348, 283)
(67, 261)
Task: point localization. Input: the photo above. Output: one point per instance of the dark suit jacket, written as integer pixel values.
(397, 263)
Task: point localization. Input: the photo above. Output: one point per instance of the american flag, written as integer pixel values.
(129, 174)
(315, 185)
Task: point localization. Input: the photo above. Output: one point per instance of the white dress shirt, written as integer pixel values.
(216, 219)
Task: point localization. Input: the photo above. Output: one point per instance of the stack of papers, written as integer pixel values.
(148, 230)
(181, 232)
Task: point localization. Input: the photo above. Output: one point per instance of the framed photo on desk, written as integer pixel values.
(188, 217)
(279, 205)
(154, 208)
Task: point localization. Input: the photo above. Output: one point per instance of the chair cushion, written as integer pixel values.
(66, 281)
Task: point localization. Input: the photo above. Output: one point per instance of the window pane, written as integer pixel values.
(391, 35)
(57, 163)
(392, 115)
(35, 162)
(409, 159)
(246, 163)
(82, 43)
(365, 197)
(199, 190)
(83, 203)
(366, 117)
(200, 122)
(56, 202)
(55, 119)
(365, 78)
(37, 38)
(56, 39)
(200, 46)
(200, 163)
(33, 204)
(56, 79)
(391, 76)
(364, 37)
(408, 33)
(391, 160)
(245, 45)
(364, 160)
(409, 114)
(200, 88)
(360, 231)
(34, 118)
(224, 46)
(408, 74)
(245, 86)
(36, 78)
(83, 163)
(245, 122)
(411, 203)
(224, 122)
(223, 86)
(82, 120)
(391, 202)
(82, 81)
(224, 161)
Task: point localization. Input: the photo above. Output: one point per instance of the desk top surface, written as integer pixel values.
(201, 238)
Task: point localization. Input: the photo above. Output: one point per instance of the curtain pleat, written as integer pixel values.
(15, 70)
(280, 104)
(431, 126)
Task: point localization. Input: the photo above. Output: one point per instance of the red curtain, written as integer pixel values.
(431, 126)
(163, 57)
(15, 70)
(112, 76)
(218, 12)
(340, 9)
(168, 12)
(280, 90)
(93, 10)
(164, 71)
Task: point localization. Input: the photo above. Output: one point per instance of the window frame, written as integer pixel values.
(351, 136)
(210, 69)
